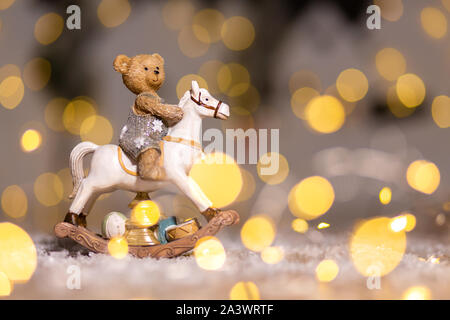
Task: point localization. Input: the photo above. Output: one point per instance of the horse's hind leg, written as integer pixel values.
(84, 194)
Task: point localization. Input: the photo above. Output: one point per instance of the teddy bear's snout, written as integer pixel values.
(156, 72)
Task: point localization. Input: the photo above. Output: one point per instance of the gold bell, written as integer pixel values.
(140, 229)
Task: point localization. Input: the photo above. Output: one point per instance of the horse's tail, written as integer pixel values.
(76, 163)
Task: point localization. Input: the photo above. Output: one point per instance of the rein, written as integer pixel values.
(190, 143)
(201, 103)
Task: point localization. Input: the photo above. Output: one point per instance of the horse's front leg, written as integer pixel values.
(191, 189)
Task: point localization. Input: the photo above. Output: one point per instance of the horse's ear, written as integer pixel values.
(195, 88)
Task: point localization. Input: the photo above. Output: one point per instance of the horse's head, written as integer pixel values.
(204, 103)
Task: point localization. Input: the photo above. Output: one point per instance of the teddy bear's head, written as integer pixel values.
(144, 72)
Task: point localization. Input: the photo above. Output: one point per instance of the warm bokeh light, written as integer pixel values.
(14, 201)
(433, 22)
(11, 92)
(299, 225)
(398, 224)
(36, 73)
(209, 253)
(397, 108)
(233, 79)
(190, 45)
(48, 189)
(390, 63)
(272, 168)
(440, 110)
(18, 257)
(244, 291)
(185, 83)
(209, 72)
(219, 177)
(76, 112)
(237, 33)
(325, 114)
(385, 195)
(311, 198)
(374, 245)
(391, 10)
(410, 90)
(352, 85)
(5, 4)
(248, 186)
(207, 25)
(5, 285)
(31, 140)
(258, 232)
(48, 28)
(96, 129)
(417, 293)
(272, 255)
(323, 225)
(410, 222)
(113, 13)
(118, 247)
(327, 271)
(177, 13)
(300, 99)
(53, 113)
(145, 214)
(446, 4)
(423, 176)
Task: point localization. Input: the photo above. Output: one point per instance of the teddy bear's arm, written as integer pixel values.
(150, 104)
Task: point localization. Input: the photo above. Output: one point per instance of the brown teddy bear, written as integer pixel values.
(150, 117)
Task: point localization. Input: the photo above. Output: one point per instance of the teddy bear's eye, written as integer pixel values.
(146, 69)
(157, 68)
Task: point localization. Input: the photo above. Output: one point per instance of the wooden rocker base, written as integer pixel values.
(98, 244)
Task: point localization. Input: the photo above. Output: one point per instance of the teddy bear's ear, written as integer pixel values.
(157, 56)
(195, 88)
(121, 63)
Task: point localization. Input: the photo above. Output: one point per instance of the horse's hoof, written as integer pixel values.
(76, 219)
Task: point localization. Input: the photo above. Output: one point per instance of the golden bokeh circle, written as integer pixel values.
(146, 213)
(233, 79)
(352, 85)
(325, 114)
(299, 225)
(177, 13)
(248, 186)
(417, 293)
(244, 291)
(410, 90)
(48, 28)
(190, 45)
(118, 247)
(327, 270)
(209, 72)
(75, 113)
(391, 10)
(440, 110)
(14, 201)
(272, 255)
(311, 198)
(31, 140)
(96, 129)
(11, 92)
(276, 164)
(48, 189)
(219, 177)
(258, 232)
(5, 4)
(397, 108)
(113, 13)
(53, 113)
(237, 33)
(207, 25)
(390, 63)
(423, 176)
(6, 286)
(300, 99)
(209, 253)
(385, 195)
(18, 257)
(375, 249)
(36, 73)
(433, 22)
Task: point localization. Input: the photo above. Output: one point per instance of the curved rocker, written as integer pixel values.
(98, 244)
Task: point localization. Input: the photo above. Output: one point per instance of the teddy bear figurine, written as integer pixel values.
(149, 117)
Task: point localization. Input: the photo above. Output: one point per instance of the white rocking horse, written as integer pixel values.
(111, 169)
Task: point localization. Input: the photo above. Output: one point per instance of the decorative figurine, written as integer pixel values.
(158, 145)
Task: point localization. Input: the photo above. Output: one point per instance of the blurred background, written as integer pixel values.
(363, 119)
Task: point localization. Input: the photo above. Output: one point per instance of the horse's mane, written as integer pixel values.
(184, 99)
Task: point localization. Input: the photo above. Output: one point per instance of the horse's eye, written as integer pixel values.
(206, 99)
(146, 69)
